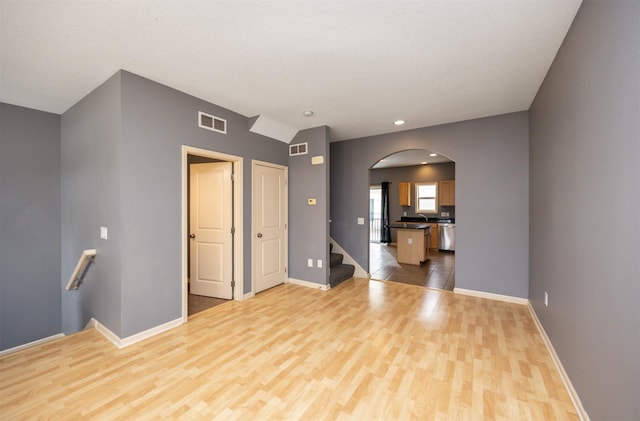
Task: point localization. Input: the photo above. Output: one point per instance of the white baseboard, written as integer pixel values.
(31, 344)
(577, 403)
(130, 340)
(491, 296)
(308, 284)
(359, 272)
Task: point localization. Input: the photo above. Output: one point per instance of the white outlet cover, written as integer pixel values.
(104, 233)
(319, 263)
(410, 240)
(360, 221)
(310, 263)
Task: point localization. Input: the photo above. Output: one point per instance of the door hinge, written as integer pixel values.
(233, 230)
(233, 284)
(233, 177)
(285, 269)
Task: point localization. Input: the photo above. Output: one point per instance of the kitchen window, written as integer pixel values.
(426, 197)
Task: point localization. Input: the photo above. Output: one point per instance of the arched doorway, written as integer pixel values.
(421, 190)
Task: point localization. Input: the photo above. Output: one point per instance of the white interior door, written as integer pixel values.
(210, 235)
(269, 226)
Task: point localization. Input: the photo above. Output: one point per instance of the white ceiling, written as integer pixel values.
(359, 65)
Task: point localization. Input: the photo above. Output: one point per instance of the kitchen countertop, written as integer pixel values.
(410, 226)
(429, 221)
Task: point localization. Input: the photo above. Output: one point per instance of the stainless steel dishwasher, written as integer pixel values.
(447, 236)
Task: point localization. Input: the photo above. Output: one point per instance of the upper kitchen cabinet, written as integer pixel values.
(447, 193)
(404, 190)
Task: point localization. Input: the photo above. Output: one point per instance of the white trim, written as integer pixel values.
(255, 162)
(145, 334)
(104, 331)
(248, 295)
(31, 344)
(308, 284)
(491, 296)
(130, 340)
(237, 217)
(577, 403)
(346, 258)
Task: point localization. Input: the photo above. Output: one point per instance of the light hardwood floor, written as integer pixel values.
(364, 350)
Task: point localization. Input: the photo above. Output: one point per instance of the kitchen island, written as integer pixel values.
(413, 242)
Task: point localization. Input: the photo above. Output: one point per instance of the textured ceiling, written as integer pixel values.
(359, 65)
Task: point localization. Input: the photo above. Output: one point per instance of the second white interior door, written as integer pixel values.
(269, 226)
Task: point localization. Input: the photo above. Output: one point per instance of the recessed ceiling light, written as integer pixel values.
(308, 113)
(423, 162)
(433, 154)
(399, 122)
(382, 160)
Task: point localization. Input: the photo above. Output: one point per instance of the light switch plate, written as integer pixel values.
(104, 234)
(310, 263)
(319, 263)
(360, 221)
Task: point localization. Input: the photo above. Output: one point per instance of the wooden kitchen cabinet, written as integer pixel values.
(447, 192)
(404, 190)
(413, 245)
(434, 236)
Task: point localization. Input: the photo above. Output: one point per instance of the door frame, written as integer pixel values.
(238, 257)
(255, 162)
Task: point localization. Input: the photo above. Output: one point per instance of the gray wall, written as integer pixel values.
(309, 225)
(585, 161)
(492, 196)
(29, 225)
(91, 168)
(156, 121)
(413, 174)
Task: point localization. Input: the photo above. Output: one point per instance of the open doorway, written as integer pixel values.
(210, 221)
(405, 172)
(375, 213)
(212, 237)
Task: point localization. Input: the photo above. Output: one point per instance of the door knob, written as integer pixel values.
(259, 235)
(192, 236)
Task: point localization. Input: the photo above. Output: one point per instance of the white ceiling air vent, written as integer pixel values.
(211, 122)
(298, 149)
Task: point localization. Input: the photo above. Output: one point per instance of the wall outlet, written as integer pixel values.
(444, 213)
(404, 214)
(319, 263)
(360, 221)
(310, 263)
(546, 299)
(410, 240)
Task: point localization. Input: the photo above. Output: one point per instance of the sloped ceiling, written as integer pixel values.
(358, 65)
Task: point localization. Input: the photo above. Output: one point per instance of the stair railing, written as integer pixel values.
(82, 267)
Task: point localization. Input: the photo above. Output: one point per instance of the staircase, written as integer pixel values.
(338, 271)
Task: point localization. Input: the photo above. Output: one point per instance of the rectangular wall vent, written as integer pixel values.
(211, 122)
(298, 149)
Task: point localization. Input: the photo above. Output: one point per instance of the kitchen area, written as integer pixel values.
(420, 246)
(439, 231)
